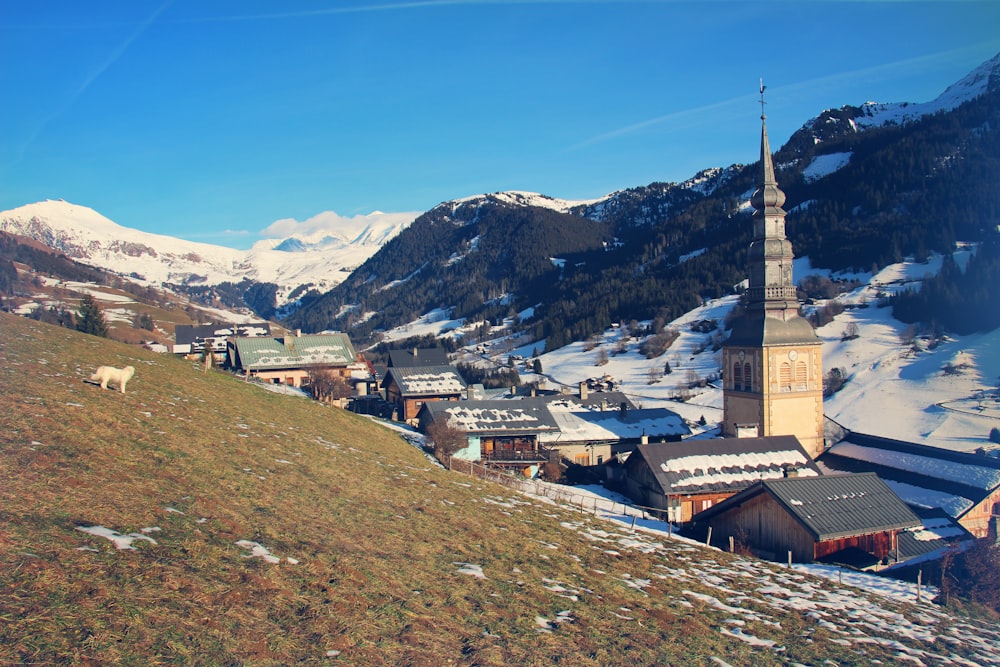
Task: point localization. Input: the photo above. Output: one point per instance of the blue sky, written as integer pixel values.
(211, 120)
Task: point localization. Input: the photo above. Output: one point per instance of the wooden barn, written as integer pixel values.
(852, 519)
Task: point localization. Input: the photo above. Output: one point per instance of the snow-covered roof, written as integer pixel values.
(426, 380)
(499, 415)
(589, 425)
(722, 464)
(922, 476)
(263, 353)
(963, 472)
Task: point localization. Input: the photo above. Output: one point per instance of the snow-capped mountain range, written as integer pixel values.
(323, 250)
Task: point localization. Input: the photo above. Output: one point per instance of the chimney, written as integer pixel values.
(644, 439)
(415, 355)
(791, 472)
(469, 393)
(583, 391)
(623, 411)
(298, 333)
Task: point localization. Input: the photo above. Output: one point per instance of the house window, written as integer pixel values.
(600, 459)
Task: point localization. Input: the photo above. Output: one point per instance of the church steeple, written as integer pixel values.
(772, 361)
(771, 287)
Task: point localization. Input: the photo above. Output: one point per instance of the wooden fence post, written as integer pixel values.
(732, 544)
(709, 540)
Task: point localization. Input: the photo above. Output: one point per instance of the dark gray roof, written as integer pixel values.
(423, 356)
(509, 417)
(919, 474)
(937, 532)
(721, 464)
(185, 334)
(754, 330)
(596, 400)
(832, 506)
(426, 380)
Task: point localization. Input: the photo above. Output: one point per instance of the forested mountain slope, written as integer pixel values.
(859, 195)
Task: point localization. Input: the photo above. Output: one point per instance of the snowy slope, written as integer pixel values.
(970, 87)
(893, 391)
(321, 251)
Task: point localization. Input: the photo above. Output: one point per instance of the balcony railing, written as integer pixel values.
(517, 455)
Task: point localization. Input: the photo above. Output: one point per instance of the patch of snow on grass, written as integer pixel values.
(258, 551)
(470, 569)
(121, 542)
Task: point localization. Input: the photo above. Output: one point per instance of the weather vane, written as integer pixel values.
(762, 102)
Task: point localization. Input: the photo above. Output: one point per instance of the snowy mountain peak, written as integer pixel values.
(320, 251)
(521, 198)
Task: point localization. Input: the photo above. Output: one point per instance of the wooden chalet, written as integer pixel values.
(289, 359)
(966, 486)
(850, 519)
(503, 433)
(411, 387)
(687, 477)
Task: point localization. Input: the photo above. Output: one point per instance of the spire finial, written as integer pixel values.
(762, 102)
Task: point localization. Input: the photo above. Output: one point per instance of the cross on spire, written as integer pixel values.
(762, 102)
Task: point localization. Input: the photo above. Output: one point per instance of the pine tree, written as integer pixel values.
(91, 320)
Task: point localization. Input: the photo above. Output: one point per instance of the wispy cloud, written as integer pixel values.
(92, 76)
(805, 88)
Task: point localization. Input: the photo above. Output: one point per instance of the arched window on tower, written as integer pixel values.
(747, 377)
(801, 376)
(737, 376)
(785, 376)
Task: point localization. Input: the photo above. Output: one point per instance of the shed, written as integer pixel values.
(816, 518)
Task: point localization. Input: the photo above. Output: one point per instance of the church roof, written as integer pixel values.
(758, 331)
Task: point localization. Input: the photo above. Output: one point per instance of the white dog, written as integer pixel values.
(118, 376)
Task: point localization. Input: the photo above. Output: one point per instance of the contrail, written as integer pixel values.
(93, 76)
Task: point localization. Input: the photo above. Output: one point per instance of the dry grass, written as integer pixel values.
(376, 529)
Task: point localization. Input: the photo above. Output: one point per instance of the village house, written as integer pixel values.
(503, 433)
(195, 339)
(848, 519)
(409, 388)
(966, 486)
(290, 359)
(687, 477)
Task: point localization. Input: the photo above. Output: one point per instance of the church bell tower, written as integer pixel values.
(772, 362)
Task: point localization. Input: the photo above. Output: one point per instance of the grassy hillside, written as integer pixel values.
(382, 557)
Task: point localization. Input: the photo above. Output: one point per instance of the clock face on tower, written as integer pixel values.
(793, 355)
(742, 355)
